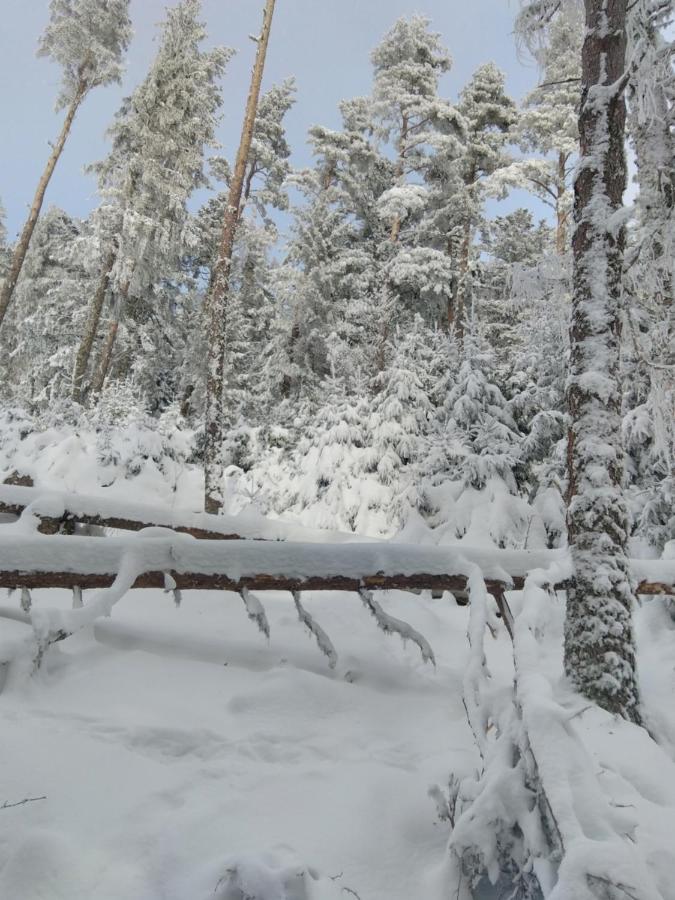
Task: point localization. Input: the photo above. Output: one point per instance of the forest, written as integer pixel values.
(372, 380)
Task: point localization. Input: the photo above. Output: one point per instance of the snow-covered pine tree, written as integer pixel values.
(156, 162)
(549, 118)
(414, 124)
(87, 39)
(649, 329)
(38, 341)
(460, 182)
(330, 271)
(599, 644)
(407, 65)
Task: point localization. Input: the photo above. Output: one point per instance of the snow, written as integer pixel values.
(175, 745)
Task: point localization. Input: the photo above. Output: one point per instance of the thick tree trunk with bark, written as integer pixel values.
(91, 327)
(21, 249)
(599, 644)
(217, 299)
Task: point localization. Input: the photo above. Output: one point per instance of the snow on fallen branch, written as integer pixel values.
(255, 611)
(390, 625)
(324, 642)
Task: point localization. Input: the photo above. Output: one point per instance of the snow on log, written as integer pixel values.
(55, 508)
(390, 625)
(324, 642)
(65, 561)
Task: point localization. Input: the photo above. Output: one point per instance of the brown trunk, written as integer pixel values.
(217, 299)
(599, 643)
(560, 213)
(105, 358)
(89, 336)
(21, 249)
(463, 293)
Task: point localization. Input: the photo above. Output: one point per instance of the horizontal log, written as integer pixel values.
(64, 524)
(59, 512)
(456, 584)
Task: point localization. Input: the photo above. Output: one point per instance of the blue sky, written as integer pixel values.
(325, 44)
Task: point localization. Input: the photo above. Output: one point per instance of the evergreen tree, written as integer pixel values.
(87, 38)
(461, 182)
(39, 336)
(548, 122)
(156, 162)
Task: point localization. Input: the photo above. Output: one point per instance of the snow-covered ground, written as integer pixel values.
(171, 744)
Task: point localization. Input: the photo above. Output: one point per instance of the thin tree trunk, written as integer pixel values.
(89, 336)
(463, 288)
(21, 249)
(561, 214)
(599, 643)
(400, 170)
(105, 359)
(217, 299)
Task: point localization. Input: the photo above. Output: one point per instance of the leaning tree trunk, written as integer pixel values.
(90, 329)
(105, 360)
(599, 644)
(218, 293)
(21, 249)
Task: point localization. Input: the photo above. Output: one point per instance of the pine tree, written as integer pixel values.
(548, 122)
(156, 162)
(87, 38)
(461, 182)
(38, 340)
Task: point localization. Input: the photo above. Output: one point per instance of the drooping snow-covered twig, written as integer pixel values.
(256, 611)
(322, 639)
(390, 625)
(26, 600)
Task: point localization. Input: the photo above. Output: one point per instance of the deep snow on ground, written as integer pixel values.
(171, 742)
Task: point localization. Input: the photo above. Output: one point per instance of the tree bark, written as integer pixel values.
(105, 359)
(561, 214)
(599, 643)
(89, 336)
(217, 299)
(21, 249)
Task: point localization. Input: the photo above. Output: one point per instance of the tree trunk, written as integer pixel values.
(89, 336)
(599, 643)
(21, 249)
(217, 299)
(400, 171)
(560, 213)
(105, 359)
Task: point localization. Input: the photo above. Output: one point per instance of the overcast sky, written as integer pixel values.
(325, 44)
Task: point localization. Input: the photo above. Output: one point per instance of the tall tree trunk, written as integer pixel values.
(460, 297)
(21, 249)
(217, 298)
(91, 327)
(561, 213)
(105, 358)
(599, 643)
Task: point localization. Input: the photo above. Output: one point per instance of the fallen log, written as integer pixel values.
(58, 513)
(200, 581)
